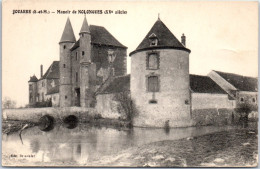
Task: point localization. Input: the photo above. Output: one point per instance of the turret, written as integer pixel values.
(66, 42)
(32, 90)
(160, 79)
(87, 68)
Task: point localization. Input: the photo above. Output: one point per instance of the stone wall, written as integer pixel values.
(100, 57)
(107, 106)
(209, 101)
(248, 98)
(213, 116)
(55, 99)
(34, 114)
(173, 98)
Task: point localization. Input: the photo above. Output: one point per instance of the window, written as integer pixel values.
(242, 99)
(83, 53)
(113, 71)
(64, 47)
(76, 76)
(30, 87)
(153, 84)
(253, 100)
(76, 55)
(64, 65)
(153, 101)
(153, 61)
(31, 97)
(187, 102)
(153, 40)
(66, 97)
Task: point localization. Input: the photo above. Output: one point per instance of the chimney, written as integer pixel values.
(41, 70)
(183, 39)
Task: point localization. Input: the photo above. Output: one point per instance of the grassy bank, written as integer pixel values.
(11, 126)
(234, 148)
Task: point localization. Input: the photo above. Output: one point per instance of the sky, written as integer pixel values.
(221, 35)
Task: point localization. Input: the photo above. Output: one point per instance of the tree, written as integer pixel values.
(8, 103)
(125, 105)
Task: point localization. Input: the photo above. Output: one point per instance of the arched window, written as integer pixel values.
(152, 61)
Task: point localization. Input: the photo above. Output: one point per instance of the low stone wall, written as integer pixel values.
(107, 106)
(222, 116)
(34, 114)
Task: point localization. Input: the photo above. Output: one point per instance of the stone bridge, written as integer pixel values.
(34, 114)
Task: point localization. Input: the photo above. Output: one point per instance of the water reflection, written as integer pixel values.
(84, 144)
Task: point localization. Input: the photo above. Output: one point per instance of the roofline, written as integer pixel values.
(234, 74)
(160, 47)
(66, 41)
(100, 44)
(209, 93)
(124, 47)
(33, 81)
(102, 93)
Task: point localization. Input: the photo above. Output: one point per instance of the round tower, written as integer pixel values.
(32, 90)
(66, 42)
(160, 80)
(87, 67)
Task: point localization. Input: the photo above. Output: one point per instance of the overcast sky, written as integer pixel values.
(221, 35)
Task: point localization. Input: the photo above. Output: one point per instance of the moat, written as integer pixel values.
(86, 145)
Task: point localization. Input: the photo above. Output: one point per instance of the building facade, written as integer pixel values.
(92, 73)
(85, 65)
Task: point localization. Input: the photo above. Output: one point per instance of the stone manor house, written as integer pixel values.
(92, 70)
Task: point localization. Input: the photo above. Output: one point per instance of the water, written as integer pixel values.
(83, 145)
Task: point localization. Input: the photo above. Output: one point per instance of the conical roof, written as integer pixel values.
(85, 27)
(33, 79)
(165, 38)
(68, 33)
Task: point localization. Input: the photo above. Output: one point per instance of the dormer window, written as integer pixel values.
(153, 40)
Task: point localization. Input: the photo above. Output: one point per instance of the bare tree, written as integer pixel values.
(8, 103)
(125, 105)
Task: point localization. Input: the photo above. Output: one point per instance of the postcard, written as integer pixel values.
(129, 83)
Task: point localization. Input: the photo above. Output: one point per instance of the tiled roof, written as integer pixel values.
(100, 36)
(165, 38)
(54, 90)
(204, 84)
(53, 71)
(242, 83)
(33, 79)
(119, 84)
